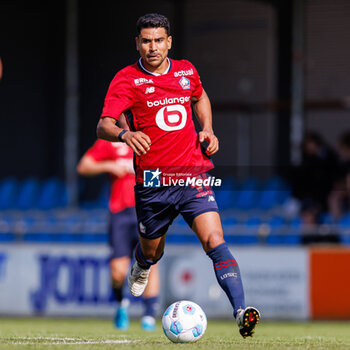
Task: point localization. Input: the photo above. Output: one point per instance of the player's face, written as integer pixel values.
(153, 45)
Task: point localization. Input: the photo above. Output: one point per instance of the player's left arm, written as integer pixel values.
(202, 109)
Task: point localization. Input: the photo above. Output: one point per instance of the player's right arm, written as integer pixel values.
(88, 166)
(120, 97)
(109, 131)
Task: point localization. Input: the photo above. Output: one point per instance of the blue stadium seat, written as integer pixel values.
(268, 198)
(53, 194)
(229, 221)
(290, 239)
(345, 239)
(284, 195)
(275, 191)
(345, 220)
(276, 224)
(103, 199)
(8, 193)
(225, 195)
(28, 194)
(245, 240)
(326, 218)
(229, 225)
(251, 226)
(344, 225)
(246, 197)
(250, 183)
(224, 198)
(253, 221)
(228, 183)
(241, 233)
(274, 183)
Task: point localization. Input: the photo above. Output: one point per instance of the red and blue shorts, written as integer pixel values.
(157, 207)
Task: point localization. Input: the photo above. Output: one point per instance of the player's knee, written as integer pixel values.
(213, 240)
(117, 281)
(118, 277)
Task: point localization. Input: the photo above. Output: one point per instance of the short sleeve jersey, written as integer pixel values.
(122, 188)
(160, 107)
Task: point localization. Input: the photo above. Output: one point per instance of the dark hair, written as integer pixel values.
(152, 20)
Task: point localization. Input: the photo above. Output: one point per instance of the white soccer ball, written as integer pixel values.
(184, 322)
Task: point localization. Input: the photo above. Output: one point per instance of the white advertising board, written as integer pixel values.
(275, 280)
(65, 280)
(55, 280)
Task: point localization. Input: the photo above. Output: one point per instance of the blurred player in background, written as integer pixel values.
(116, 160)
(156, 94)
(312, 180)
(339, 198)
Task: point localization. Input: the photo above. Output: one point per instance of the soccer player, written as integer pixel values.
(156, 94)
(116, 159)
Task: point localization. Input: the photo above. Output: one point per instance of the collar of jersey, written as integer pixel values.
(154, 74)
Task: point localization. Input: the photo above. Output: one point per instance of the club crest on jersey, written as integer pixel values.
(185, 83)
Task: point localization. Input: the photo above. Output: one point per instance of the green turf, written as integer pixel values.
(42, 333)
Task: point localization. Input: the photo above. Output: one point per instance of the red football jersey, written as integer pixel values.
(160, 107)
(122, 188)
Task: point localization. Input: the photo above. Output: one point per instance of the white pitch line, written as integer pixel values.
(67, 341)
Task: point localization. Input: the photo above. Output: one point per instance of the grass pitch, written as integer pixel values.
(43, 333)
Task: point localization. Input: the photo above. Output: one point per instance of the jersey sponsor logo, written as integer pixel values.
(141, 81)
(185, 83)
(182, 73)
(150, 90)
(170, 118)
(168, 101)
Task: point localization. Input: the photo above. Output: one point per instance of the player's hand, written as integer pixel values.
(213, 142)
(138, 141)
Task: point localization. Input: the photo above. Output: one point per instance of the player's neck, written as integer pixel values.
(160, 70)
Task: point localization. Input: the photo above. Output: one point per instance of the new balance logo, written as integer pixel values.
(150, 90)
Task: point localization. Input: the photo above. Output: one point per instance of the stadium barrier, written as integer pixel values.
(73, 280)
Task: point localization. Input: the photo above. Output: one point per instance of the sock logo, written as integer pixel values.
(229, 274)
(226, 263)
